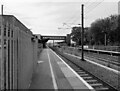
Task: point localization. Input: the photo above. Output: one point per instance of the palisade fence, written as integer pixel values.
(18, 53)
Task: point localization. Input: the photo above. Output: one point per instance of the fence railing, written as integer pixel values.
(107, 48)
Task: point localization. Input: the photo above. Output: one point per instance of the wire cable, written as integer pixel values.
(86, 2)
(91, 4)
(94, 7)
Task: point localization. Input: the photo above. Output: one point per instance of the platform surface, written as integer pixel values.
(52, 73)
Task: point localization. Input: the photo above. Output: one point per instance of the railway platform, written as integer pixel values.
(54, 74)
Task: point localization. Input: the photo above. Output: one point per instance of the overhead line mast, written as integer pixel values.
(82, 32)
(1, 9)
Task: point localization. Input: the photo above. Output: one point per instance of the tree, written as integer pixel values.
(96, 30)
(102, 29)
(118, 30)
(113, 34)
(106, 28)
(76, 35)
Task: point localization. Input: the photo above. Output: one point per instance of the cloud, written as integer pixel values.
(45, 16)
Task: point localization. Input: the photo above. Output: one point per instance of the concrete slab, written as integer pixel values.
(67, 72)
(76, 84)
(61, 64)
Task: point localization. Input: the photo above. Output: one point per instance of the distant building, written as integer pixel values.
(68, 39)
(40, 42)
(38, 36)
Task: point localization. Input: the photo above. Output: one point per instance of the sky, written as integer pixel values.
(48, 17)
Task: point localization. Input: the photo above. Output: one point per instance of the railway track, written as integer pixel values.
(105, 56)
(102, 57)
(106, 59)
(95, 82)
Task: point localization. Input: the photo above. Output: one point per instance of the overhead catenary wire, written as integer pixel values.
(89, 8)
(74, 18)
(91, 3)
(88, 13)
(74, 15)
(94, 7)
(87, 2)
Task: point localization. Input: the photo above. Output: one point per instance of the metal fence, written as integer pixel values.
(18, 53)
(107, 48)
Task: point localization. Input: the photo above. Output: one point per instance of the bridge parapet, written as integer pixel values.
(54, 37)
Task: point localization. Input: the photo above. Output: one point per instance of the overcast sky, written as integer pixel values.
(45, 16)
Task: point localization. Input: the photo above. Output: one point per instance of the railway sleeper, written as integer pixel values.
(86, 78)
(89, 81)
(92, 82)
(96, 84)
(83, 75)
(81, 72)
(102, 89)
(77, 69)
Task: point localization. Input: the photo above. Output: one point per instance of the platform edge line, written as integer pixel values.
(52, 73)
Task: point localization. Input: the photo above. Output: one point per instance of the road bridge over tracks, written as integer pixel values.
(45, 38)
(54, 37)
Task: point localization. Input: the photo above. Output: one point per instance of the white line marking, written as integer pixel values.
(29, 84)
(52, 73)
(91, 88)
(116, 71)
(40, 62)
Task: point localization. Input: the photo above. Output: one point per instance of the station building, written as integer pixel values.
(18, 53)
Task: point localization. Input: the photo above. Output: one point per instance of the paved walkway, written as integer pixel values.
(53, 73)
